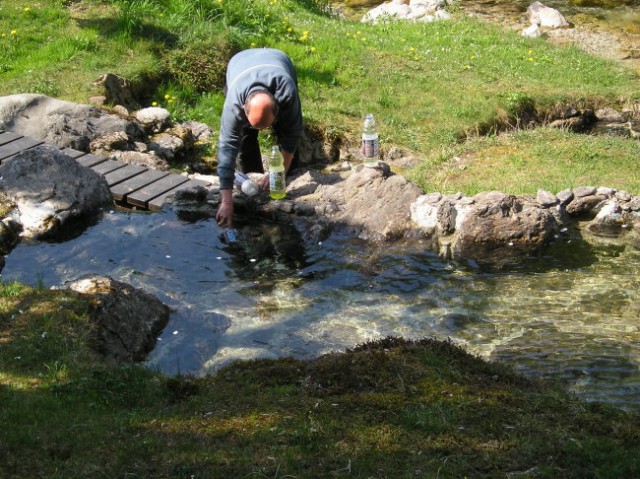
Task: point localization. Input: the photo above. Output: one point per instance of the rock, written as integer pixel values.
(201, 131)
(415, 10)
(148, 160)
(546, 16)
(117, 90)
(532, 31)
(52, 191)
(585, 206)
(371, 206)
(127, 320)
(609, 221)
(107, 142)
(499, 228)
(61, 123)
(154, 119)
(546, 198)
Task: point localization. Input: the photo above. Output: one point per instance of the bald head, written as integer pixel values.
(261, 109)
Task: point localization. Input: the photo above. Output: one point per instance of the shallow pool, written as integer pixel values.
(573, 315)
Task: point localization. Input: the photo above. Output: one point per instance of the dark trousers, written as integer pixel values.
(249, 158)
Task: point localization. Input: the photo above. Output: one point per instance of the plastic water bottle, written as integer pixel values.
(277, 178)
(370, 144)
(246, 184)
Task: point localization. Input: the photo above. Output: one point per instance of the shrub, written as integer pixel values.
(201, 65)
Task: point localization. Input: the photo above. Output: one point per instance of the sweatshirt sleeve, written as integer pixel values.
(228, 145)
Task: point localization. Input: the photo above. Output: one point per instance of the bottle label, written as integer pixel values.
(370, 148)
(277, 181)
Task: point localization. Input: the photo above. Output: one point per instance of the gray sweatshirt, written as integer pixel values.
(250, 70)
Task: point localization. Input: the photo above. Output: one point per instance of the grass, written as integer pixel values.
(386, 409)
(441, 91)
(431, 86)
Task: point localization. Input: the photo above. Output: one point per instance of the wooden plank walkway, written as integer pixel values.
(131, 185)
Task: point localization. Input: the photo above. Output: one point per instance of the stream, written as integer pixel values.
(571, 315)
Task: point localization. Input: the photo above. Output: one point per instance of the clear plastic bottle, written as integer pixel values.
(370, 142)
(277, 178)
(246, 184)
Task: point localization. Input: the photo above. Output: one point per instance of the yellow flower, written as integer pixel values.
(26, 9)
(403, 40)
(253, 44)
(313, 49)
(167, 96)
(13, 32)
(530, 59)
(290, 29)
(4, 35)
(154, 103)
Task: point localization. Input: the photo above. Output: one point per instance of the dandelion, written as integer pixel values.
(253, 44)
(13, 32)
(27, 9)
(313, 49)
(4, 35)
(154, 103)
(290, 29)
(530, 59)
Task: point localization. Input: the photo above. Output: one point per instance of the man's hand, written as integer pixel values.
(224, 216)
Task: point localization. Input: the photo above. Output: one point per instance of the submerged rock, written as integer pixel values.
(127, 320)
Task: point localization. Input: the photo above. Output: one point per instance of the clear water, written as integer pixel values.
(573, 315)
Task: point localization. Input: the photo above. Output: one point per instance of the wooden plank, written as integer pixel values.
(159, 201)
(108, 166)
(122, 174)
(71, 153)
(121, 190)
(17, 146)
(142, 197)
(90, 160)
(8, 137)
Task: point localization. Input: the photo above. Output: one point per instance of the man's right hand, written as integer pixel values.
(224, 216)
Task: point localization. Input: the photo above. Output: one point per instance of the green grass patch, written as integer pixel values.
(522, 162)
(392, 408)
(430, 85)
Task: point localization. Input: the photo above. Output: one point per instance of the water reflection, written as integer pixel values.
(571, 315)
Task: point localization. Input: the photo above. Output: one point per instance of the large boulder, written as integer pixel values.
(497, 227)
(544, 16)
(52, 191)
(127, 320)
(61, 123)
